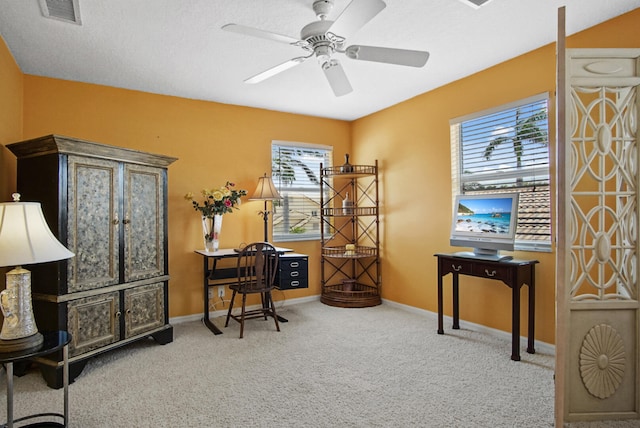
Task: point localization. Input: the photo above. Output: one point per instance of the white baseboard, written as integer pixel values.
(280, 304)
(543, 347)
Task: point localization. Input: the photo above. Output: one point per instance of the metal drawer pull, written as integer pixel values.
(294, 264)
(295, 283)
(492, 273)
(457, 269)
(296, 273)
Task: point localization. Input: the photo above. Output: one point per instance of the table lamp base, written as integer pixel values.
(29, 343)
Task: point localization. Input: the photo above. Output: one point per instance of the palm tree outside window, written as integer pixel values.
(295, 169)
(506, 149)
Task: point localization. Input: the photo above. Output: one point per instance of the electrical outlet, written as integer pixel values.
(221, 292)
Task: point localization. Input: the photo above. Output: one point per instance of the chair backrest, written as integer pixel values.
(257, 266)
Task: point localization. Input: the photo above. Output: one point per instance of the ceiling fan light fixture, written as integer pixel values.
(323, 53)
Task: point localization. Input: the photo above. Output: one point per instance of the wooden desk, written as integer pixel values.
(221, 276)
(514, 273)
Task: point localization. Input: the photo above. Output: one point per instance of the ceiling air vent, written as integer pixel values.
(475, 3)
(63, 10)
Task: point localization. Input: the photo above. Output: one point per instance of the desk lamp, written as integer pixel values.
(266, 191)
(25, 238)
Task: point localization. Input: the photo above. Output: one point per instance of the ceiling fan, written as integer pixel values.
(324, 37)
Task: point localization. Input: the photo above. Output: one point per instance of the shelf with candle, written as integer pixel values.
(350, 250)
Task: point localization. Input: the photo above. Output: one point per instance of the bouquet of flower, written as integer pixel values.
(217, 201)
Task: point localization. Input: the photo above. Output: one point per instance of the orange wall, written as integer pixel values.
(412, 141)
(213, 143)
(216, 142)
(11, 85)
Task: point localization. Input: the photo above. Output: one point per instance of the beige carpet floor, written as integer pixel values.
(328, 367)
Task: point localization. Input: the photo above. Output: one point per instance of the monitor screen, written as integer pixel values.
(486, 223)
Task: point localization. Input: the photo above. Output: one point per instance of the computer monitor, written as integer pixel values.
(485, 222)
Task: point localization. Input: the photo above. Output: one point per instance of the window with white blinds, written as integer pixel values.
(296, 174)
(505, 150)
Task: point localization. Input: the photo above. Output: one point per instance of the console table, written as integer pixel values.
(53, 342)
(514, 273)
(216, 276)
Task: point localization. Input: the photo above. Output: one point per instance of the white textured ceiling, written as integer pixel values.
(176, 47)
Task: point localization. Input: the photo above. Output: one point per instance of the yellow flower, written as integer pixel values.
(189, 196)
(225, 191)
(217, 195)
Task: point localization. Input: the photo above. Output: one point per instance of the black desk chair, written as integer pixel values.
(257, 265)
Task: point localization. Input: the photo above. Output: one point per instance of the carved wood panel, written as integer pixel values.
(601, 238)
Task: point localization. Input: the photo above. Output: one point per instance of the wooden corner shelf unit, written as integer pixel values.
(350, 263)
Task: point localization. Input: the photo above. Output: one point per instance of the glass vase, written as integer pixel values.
(211, 227)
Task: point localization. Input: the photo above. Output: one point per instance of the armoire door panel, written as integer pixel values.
(144, 309)
(92, 223)
(93, 322)
(143, 222)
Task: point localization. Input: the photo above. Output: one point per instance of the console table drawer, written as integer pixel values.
(492, 271)
(456, 266)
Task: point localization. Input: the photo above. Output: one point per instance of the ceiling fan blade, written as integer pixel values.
(275, 70)
(354, 16)
(337, 78)
(388, 55)
(255, 32)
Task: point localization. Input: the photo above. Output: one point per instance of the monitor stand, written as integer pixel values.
(484, 254)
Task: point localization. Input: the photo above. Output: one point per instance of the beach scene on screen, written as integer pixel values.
(484, 215)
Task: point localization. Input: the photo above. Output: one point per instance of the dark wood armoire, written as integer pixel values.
(108, 205)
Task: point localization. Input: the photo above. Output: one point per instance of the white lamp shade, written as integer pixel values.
(25, 237)
(266, 190)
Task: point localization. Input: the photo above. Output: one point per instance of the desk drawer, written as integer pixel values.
(456, 265)
(293, 272)
(492, 271)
